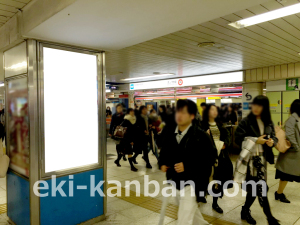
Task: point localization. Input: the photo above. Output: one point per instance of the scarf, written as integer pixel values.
(250, 150)
(130, 118)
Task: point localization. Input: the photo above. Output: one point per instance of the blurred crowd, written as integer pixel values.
(193, 144)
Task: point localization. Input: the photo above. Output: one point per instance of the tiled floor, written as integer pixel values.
(2, 191)
(124, 212)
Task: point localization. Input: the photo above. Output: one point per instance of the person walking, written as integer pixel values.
(187, 157)
(258, 127)
(108, 111)
(143, 127)
(116, 120)
(163, 113)
(287, 165)
(129, 142)
(231, 115)
(223, 169)
(154, 129)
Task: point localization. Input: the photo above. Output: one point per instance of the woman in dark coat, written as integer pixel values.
(163, 113)
(116, 120)
(223, 170)
(130, 140)
(231, 116)
(287, 165)
(259, 126)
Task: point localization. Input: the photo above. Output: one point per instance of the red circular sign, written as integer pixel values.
(180, 82)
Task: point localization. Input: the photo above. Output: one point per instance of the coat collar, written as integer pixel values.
(254, 126)
(295, 115)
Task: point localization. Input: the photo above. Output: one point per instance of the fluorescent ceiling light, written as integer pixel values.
(272, 15)
(160, 75)
(1, 85)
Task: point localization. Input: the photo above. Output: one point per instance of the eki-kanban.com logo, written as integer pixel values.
(67, 187)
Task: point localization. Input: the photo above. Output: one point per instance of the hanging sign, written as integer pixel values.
(190, 81)
(292, 84)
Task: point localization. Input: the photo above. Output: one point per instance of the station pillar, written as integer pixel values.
(57, 172)
(218, 102)
(250, 91)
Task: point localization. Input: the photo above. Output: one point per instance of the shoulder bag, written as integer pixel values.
(120, 131)
(283, 144)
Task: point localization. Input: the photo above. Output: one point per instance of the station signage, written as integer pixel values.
(190, 81)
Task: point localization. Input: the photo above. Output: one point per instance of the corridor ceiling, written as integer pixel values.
(116, 24)
(266, 44)
(8, 8)
(142, 37)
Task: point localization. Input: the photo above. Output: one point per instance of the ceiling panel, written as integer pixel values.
(266, 44)
(12, 3)
(8, 8)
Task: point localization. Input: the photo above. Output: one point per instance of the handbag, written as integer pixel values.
(4, 162)
(283, 144)
(120, 131)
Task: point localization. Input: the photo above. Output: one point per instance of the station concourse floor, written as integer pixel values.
(123, 212)
(144, 211)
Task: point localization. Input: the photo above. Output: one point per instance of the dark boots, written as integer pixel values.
(215, 204)
(134, 158)
(273, 221)
(246, 215)
(281, 197)
(131, 165)
(117, 161)
(148, 165)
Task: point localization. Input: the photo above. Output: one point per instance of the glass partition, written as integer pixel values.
(18, 136)
(70, 109)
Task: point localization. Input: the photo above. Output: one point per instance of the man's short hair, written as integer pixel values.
(141, 109)
(203, 104)
(189, 104)
(119, 105)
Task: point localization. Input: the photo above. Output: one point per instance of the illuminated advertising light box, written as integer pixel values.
(70, 78)
(190, 81)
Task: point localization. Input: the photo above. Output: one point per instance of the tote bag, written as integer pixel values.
(283, 144)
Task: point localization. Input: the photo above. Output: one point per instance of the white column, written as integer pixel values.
(218, 102)
(250, 91)
(131, 99)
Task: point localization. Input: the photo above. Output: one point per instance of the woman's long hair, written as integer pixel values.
(205, 117)
(266, 114)
(295, 107)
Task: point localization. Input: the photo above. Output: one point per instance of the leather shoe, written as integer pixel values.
(217, 208)
(281, 197)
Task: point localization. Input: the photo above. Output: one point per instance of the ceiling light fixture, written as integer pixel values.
(272, 15)
(1, 85)
(152, 76)
(206, 44)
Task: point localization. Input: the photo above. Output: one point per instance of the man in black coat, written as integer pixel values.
(187, 155)
(144, 138)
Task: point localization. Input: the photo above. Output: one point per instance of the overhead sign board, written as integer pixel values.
(292, 84)
(190, 81)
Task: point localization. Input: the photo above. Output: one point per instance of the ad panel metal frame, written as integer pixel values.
(101, 109)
